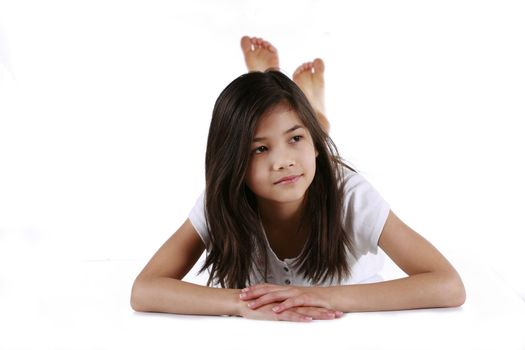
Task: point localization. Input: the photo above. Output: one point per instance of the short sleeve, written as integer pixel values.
(197, 218)
(364, 213)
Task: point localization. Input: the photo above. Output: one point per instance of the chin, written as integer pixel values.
(286, 196)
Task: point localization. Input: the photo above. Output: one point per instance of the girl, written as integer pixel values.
(291, 232)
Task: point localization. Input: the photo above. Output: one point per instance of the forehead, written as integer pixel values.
(278, 119)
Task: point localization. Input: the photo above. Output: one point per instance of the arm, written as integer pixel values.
(158, 288)
(432, 281)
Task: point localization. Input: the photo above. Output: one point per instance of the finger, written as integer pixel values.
(337, 313)
(254, 293)
(291, 302)
(248, 292)
(293, 316)
(272, 297)
(316, 313)
(257, 286)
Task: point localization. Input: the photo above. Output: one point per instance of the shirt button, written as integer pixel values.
(287, 281)
(286, 269)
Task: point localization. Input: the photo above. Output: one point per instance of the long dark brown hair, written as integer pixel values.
(235, 231)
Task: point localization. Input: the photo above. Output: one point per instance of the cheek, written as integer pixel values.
(251, 175)
(313, 165)
(310, 156)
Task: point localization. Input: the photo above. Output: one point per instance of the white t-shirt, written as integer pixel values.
(364, 215)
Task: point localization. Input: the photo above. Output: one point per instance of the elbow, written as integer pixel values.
(139, 296)
(454, 291)
(461, 296)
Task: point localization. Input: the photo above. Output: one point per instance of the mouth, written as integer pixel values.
(288, 179)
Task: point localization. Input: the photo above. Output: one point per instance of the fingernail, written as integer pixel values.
(250, 304)
(275, 309)
(339, 313)
(242, 295)
(244, 290)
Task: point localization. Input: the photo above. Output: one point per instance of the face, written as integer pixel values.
(282, 157)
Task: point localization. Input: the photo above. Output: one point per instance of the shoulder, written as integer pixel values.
(364, 210)
(350, 180)
(197, 217)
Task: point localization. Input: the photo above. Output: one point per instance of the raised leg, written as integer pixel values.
(310, 78)
(260, 55)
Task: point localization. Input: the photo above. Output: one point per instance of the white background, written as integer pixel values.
(105, 107)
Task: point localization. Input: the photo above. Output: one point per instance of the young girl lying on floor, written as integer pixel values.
(291, 231)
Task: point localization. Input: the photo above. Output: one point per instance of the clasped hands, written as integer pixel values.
(286, 303)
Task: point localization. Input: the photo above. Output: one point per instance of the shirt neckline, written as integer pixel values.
(286, 260)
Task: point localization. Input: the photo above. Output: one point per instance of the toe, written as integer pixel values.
(269, 46)
(318, 65)
(246, 44)
(307, 66)
(310, 67)
(297, 71)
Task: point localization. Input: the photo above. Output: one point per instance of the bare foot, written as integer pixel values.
(259, 54)
(310, 78)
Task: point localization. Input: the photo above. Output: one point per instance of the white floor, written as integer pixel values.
(104, 113)
(84, 305)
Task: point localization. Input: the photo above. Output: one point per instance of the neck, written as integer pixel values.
(281, 217)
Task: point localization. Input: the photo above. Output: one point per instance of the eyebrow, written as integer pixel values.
(293, 128)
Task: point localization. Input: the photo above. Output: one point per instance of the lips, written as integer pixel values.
(288, 179)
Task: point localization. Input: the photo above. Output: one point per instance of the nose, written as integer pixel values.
(282, 160)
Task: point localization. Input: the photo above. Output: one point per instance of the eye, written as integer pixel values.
(297, 138)
(259, 149)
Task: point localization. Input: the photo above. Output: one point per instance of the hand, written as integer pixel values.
(297, 314)
(303, 300)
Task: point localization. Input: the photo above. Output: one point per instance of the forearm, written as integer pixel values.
(163, 294)
(425, 290)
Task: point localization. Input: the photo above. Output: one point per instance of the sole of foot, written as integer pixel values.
(310, 78)
(259, 55)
